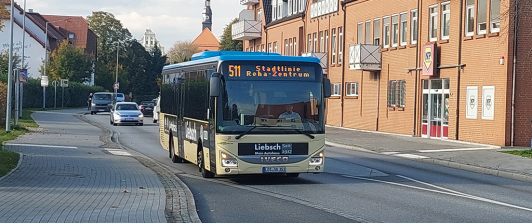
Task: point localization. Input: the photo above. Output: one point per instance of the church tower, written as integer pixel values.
(207, 16)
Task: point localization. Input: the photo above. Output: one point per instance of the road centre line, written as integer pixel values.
(454, 150)
(45, 146)
(446, 192)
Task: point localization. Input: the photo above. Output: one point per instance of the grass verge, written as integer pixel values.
(523, 153)
(8, 159)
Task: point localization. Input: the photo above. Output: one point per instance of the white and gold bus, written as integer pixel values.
(245, 113)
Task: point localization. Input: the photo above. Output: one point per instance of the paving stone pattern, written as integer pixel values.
(80, 185)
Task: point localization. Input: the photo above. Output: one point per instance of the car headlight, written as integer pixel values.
(228, 160)
(317, 160)
(92, 104)
(141, 115)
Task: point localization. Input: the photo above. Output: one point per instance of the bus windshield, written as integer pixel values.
(266, 106)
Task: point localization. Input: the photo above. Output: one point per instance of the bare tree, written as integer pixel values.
(181, 51)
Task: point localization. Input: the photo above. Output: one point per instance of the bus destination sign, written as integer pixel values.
(271, 72)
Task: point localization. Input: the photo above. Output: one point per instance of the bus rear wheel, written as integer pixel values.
(204, 173)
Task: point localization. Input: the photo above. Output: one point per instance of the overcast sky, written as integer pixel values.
(171, 20)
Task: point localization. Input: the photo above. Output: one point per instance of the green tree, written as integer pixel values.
(69, 62)
(112, 36)
(4, 64)
(227, 43)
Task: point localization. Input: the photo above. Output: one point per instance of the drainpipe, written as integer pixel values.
(343, 63)
(516, 24)
(459, 71)
(417, 65)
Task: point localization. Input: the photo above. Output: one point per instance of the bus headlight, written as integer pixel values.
(317, 160)
(228, 160)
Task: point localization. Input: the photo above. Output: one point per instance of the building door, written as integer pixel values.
(435, 113)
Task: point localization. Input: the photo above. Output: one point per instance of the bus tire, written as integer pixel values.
(292, 174)
(201, 164)
(175, 159)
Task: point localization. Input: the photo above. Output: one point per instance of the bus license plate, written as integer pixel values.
(281, 169)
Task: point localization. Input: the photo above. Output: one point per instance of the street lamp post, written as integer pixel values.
(116, 75)
(10, 70)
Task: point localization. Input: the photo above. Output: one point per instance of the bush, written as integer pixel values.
(3, 103)
(75, 94)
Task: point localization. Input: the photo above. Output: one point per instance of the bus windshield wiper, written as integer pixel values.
(304, 133)
(246, 132)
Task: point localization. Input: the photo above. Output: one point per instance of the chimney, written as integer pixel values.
(30, 10)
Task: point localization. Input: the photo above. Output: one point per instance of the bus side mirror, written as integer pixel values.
(326, 88)
(215, 85)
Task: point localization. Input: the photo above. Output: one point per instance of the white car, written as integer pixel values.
(120, 97)
(156, 109)
(126, 113)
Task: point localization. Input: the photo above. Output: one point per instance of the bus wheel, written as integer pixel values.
(204, 173)
(292, 174)
(175, 159)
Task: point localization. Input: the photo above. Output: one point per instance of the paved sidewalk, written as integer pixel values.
(462, 155)
(67, 174)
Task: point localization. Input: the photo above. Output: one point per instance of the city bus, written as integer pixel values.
(234, 113)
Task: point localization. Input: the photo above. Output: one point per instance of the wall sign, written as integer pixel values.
(430, 59)
(472, 102)
(488, 96)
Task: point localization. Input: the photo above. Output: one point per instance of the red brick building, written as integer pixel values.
(430, 68)
(76, 31)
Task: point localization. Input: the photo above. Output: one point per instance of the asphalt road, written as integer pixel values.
(355, 187)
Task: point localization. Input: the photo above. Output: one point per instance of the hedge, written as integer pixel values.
(75, 94)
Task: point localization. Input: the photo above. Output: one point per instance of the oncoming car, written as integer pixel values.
(126, 113)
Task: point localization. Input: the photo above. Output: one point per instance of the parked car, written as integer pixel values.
(156, 109)
(146, 107)
(101, 102)
(120, 97)
(126, 113)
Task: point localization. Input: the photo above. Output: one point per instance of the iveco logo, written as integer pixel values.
(274, 159)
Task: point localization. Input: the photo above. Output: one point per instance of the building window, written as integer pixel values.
(386, 31)
(270, 50)
(395, 30)
(280, 9)
(315, 35)
(470, 17)
(482, 16)
(259, 15)
(257, 49)
(263, 48)
(275, 47)
(309, 48)
(396, 93)
(295, 48)
(404, 29)
(376, 32)
(340, 45)
(290, 7)
(359, 33)
(333, 46)
(326, 41)
(433, 23)
(286, 50)
(71, 36)
(290, 52)
(368, 32)
(445, 20)
(336, 90)
(495, 16)
(274, 10)
(413, 28)
(322, 45)
(351, 89)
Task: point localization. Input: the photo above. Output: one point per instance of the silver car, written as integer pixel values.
(126, 113)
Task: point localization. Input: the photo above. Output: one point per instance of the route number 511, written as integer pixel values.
(235, 70)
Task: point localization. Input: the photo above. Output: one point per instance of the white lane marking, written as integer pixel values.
(432, 185)
(118, 152)
(454, 150)
(411, 156)
(459, 194)
(389, 153)
(45, 146)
